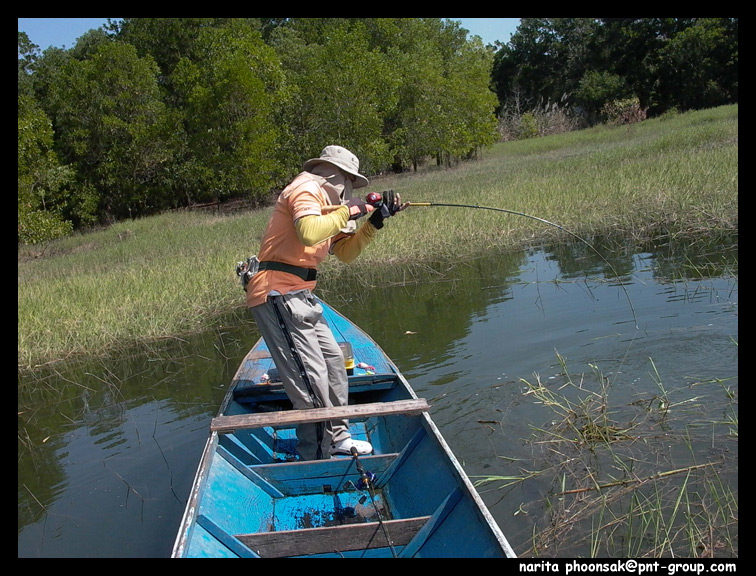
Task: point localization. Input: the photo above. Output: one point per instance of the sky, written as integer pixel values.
(490, 29)
(63, 32)
(58, 32)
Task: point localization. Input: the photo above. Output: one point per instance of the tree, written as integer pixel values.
(664, 62)
(27, 56)
(469, 117)
(693, 68)
(166, 40)
(231, 91)
(545, 59)
(114, 128)
(154, 113)
(395, 90)
(413, 127)
(42, 179)
(342, 89)
(596, 88)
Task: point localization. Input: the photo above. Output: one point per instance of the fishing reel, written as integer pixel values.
(374, 199)
(366, 480)
(246, 269)
(388, 203)
(366, 476)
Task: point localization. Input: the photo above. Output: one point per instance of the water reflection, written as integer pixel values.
(107, 450)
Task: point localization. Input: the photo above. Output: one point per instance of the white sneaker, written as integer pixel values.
(345, 447)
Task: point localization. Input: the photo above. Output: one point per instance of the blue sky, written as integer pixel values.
(490, 29)
(58, 32)
(63, 32)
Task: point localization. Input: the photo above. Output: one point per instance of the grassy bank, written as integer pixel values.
(172, 274)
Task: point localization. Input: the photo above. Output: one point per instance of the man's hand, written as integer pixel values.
(358, 208)
(392, 203)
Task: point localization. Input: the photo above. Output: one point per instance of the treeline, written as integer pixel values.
(148, 114)
(586, 64)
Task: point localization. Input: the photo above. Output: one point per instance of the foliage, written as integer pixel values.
(596, 88)
(37, 226)
(342, 90)
(528, 126)
(26, 55)
(149, 114)
(515, 124)
(697, 68)
(42, 179)
(156, 113)
(627, 111)
(690, 63)
(113, 126)
(230, 94)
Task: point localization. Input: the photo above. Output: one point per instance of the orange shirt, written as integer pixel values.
(280, 243)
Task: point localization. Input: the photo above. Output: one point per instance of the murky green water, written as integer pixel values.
(107, 450)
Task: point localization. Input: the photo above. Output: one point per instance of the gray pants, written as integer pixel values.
(310, 364)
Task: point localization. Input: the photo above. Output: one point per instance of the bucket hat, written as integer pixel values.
(342, 159)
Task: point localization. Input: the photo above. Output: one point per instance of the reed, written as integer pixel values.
(607, 494)
(172, 274)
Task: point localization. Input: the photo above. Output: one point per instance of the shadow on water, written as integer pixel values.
(516, 353)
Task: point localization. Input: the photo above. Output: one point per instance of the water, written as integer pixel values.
(107, 450)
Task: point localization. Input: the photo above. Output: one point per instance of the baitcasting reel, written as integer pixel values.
(246, 269)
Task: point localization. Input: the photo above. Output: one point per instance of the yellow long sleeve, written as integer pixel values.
(314, 229)
(348, 248)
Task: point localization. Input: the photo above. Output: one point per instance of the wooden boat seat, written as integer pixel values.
(310, 541)
(226, 424)
(409, 534)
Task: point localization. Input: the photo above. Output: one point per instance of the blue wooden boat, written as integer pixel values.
(254, 498)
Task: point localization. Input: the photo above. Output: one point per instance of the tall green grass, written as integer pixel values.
(172, 274)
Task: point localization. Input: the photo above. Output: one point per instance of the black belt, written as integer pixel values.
(306, 274)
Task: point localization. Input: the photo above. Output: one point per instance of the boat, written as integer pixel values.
(254, 497)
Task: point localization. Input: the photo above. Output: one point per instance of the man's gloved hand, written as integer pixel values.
(357, 208)
(392, 203)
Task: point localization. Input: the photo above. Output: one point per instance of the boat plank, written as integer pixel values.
(309, 541)
(233, 544)
(225, 424)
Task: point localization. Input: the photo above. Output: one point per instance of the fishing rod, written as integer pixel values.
(539, 219)
(376, 200)
(366, 482)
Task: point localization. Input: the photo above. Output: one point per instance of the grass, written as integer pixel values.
(612, 493)
(143, 280)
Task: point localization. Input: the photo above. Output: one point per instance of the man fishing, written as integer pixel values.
(314, 216)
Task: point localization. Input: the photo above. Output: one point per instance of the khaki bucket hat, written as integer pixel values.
(343, 159)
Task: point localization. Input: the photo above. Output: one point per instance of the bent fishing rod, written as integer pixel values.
(539, 219)
(376, 200)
